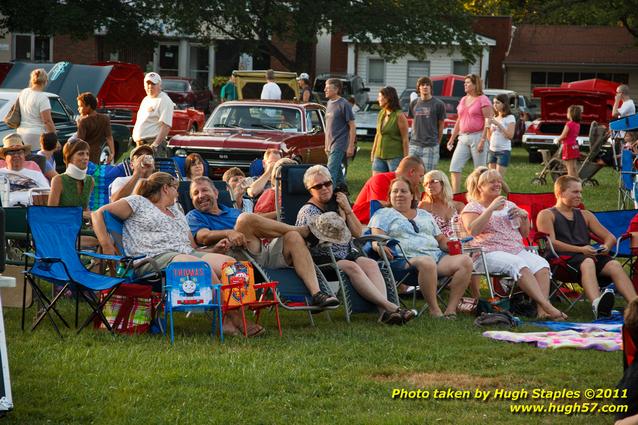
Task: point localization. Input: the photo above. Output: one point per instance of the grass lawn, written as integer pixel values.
(331, 373)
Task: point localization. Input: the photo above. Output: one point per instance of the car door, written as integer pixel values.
(314, 150)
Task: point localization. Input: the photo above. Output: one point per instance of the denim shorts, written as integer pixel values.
(501, 158)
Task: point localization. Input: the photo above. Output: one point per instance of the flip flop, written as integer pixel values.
(450, 316)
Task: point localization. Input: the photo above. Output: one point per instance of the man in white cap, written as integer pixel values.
(142, 165)
(304, 85)
(21, 180)
(155, 116)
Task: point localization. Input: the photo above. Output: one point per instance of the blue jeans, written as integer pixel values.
(335, 159)
(384, 165)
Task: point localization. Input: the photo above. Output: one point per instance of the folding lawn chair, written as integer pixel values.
(532, 203)
(55, 231)
(628, 348)
(626, 179)
(168, 165)
(103, 175)
(189, 288)
(617, 223)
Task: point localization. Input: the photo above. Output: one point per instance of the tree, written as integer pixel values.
(392, 28)
(126, 22)
(573, 12)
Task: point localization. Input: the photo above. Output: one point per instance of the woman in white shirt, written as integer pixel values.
(500, 133)
(35, 110)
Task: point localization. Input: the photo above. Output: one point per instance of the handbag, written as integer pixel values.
(12, 119)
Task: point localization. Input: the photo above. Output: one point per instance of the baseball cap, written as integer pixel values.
(153, 77)
(141, 150)
(303, 76)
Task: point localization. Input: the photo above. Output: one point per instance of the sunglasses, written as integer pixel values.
(321, 185)
(15, 152)
(414, 226)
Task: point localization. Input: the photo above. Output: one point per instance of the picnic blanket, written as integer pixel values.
(595, 340)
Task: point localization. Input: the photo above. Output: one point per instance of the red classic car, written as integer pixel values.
(596, 98)
(239, 132)
(188, 93)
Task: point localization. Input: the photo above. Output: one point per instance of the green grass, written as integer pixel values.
(331, 373)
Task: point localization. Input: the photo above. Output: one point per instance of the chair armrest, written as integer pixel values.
(109, 257)
(42, 259)
(266, 285)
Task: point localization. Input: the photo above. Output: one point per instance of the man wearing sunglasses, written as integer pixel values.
(210, 222)
(376, 188)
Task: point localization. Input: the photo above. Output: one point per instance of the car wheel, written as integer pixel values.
(534, 157)
(538, 181)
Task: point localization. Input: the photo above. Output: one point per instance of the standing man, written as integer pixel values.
(428, 115)
(229, 90)
(340, 130)
(155, 116)
(271, 90)
(628, 107)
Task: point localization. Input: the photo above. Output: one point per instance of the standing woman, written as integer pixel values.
(391, 141)
(94, 128)
(473, 111)
(500, 133)
(35, 110)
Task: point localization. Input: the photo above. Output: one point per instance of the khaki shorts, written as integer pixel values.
(163, 260)
(270, 256)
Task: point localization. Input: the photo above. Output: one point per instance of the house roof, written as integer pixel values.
(572, 44)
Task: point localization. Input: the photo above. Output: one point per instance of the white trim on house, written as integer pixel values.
(396, 74)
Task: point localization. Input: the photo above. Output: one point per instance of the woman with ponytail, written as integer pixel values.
(35, 110)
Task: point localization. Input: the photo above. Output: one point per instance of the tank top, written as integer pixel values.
(390, 144)
(70, 196)
(573, 232)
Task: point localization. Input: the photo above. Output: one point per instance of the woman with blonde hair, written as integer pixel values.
(35, 110)
(498, 227)
(437, 200)
(474, 110)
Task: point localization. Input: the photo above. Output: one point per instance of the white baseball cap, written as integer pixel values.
(153, 77)
(303, 76)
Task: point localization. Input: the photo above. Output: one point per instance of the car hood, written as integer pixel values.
(367, 119)
(555, 101)
(232, 138)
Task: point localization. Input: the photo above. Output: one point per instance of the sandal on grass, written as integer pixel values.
(450, 316)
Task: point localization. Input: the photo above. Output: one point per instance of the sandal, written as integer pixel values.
(406, 314)
(449, 316)
(391, 318)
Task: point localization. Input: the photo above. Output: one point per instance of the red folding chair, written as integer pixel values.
(628, 348)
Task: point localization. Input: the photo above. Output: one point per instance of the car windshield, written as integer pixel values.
(174, 85)
(256, 117)
(371, 107)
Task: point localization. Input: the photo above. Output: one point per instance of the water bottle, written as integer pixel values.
(515, 221)
(5, 188)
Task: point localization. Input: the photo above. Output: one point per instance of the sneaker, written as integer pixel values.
(602, 305)
(323, 300)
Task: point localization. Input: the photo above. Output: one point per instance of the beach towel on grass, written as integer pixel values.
(595, 340)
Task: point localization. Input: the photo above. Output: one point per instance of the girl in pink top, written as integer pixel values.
(571, 152)
(473, 111)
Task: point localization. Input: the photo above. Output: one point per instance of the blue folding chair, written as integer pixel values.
(626, 179)
(55, 231)
(617, 223)
(168, 165)
(189, 288)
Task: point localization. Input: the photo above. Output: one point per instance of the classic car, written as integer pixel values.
(188, 93)
(118, 87)
(238, 132)
(596, 98)
(64, 120)
(353, 86)
(366, 120)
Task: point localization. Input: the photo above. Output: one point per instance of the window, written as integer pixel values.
(33, 48)
(313, 121)
(168, 59)
(541, 79)
(376, 71)
(417, 70)
(460, 67)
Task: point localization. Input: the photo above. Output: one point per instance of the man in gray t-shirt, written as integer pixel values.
(428, 115)
(340, 130)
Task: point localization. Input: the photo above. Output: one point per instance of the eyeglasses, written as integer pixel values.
(321, 185)
(429, 182)
(15, 152)
(414, 226)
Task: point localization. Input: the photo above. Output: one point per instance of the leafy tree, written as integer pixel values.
(403, 26)
(575, 12)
